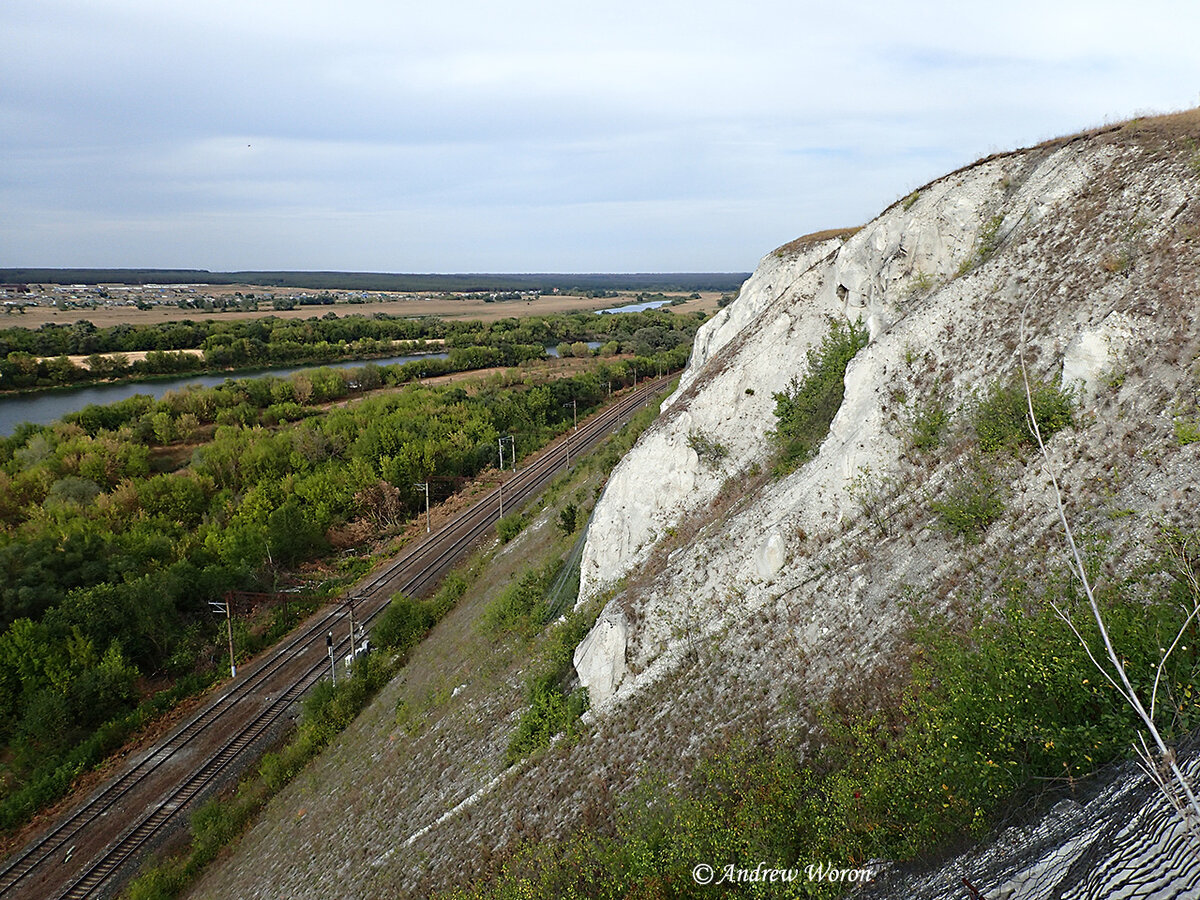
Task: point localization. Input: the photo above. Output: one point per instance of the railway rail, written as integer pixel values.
(149, 799)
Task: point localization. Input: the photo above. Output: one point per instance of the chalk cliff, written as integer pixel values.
(735, 602)
(1079, 235)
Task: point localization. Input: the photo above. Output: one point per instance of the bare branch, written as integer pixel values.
(1166, 756)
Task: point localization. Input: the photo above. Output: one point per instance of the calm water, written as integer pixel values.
(47, 406)
(634, 307)
(552, 349)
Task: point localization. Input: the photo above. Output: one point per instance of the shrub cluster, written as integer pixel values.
(805, 410)
(553, 708)
(971, 503)
(1001, 420)
(991, 716)
(521, 607)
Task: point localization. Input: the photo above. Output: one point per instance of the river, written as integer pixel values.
(44, 407)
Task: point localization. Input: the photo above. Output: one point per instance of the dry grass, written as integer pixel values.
(805, 241)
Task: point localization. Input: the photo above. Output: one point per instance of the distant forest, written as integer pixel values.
(374, 281)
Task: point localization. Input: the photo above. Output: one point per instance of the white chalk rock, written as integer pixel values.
(769, 558)
(600, 657)
(1095, 353)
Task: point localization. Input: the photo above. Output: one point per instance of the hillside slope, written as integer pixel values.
(736, 602)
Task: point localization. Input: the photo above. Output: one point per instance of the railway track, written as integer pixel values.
(156, 790)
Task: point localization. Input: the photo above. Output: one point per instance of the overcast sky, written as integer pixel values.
(462, 135)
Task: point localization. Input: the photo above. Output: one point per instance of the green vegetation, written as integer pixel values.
(1001, 419)
(985, 247)
(398, 630)
(920, 284)
(327, 712)
(552, 708)
(710, 452)
(999, 422)
(31, 358)
(910, 200)
(805, 410)
(114, 538)
(991, 716)
(927, 422)
(1187, 431)
(521, 608)
(510, 526)
(568, 519)
(972, 503)
(406, 620)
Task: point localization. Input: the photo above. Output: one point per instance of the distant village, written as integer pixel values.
(213, 298)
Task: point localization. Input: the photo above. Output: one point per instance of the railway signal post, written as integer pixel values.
(332, 664)
(218, 607)
(425, 485)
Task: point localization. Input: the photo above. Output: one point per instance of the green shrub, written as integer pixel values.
(1001, 419)
(711, 452)
(402, 624)
(972, 503)
(926, 424)
(986, 245)
(521, 606)
(805, 410)
(552, 709)
(510, 526)
(568, 519)
(1187, 431)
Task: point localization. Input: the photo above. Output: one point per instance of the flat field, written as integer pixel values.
(398, 305)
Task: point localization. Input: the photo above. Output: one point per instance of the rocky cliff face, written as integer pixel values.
(1082, 236)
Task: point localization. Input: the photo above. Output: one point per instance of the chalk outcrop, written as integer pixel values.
(942, 280)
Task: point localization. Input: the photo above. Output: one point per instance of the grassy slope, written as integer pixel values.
(434, 735)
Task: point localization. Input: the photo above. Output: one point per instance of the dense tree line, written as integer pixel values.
(38, 357)
(377, 281)
(108, 561)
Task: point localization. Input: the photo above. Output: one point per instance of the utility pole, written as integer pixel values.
(425, 484)
(575, 427)
(500, 447)
(220, 607)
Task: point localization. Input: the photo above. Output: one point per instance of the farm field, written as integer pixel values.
(442, 307)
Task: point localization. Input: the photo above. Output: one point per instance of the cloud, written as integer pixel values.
(467, 135)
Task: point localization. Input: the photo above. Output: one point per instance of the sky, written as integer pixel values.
(470, 136)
